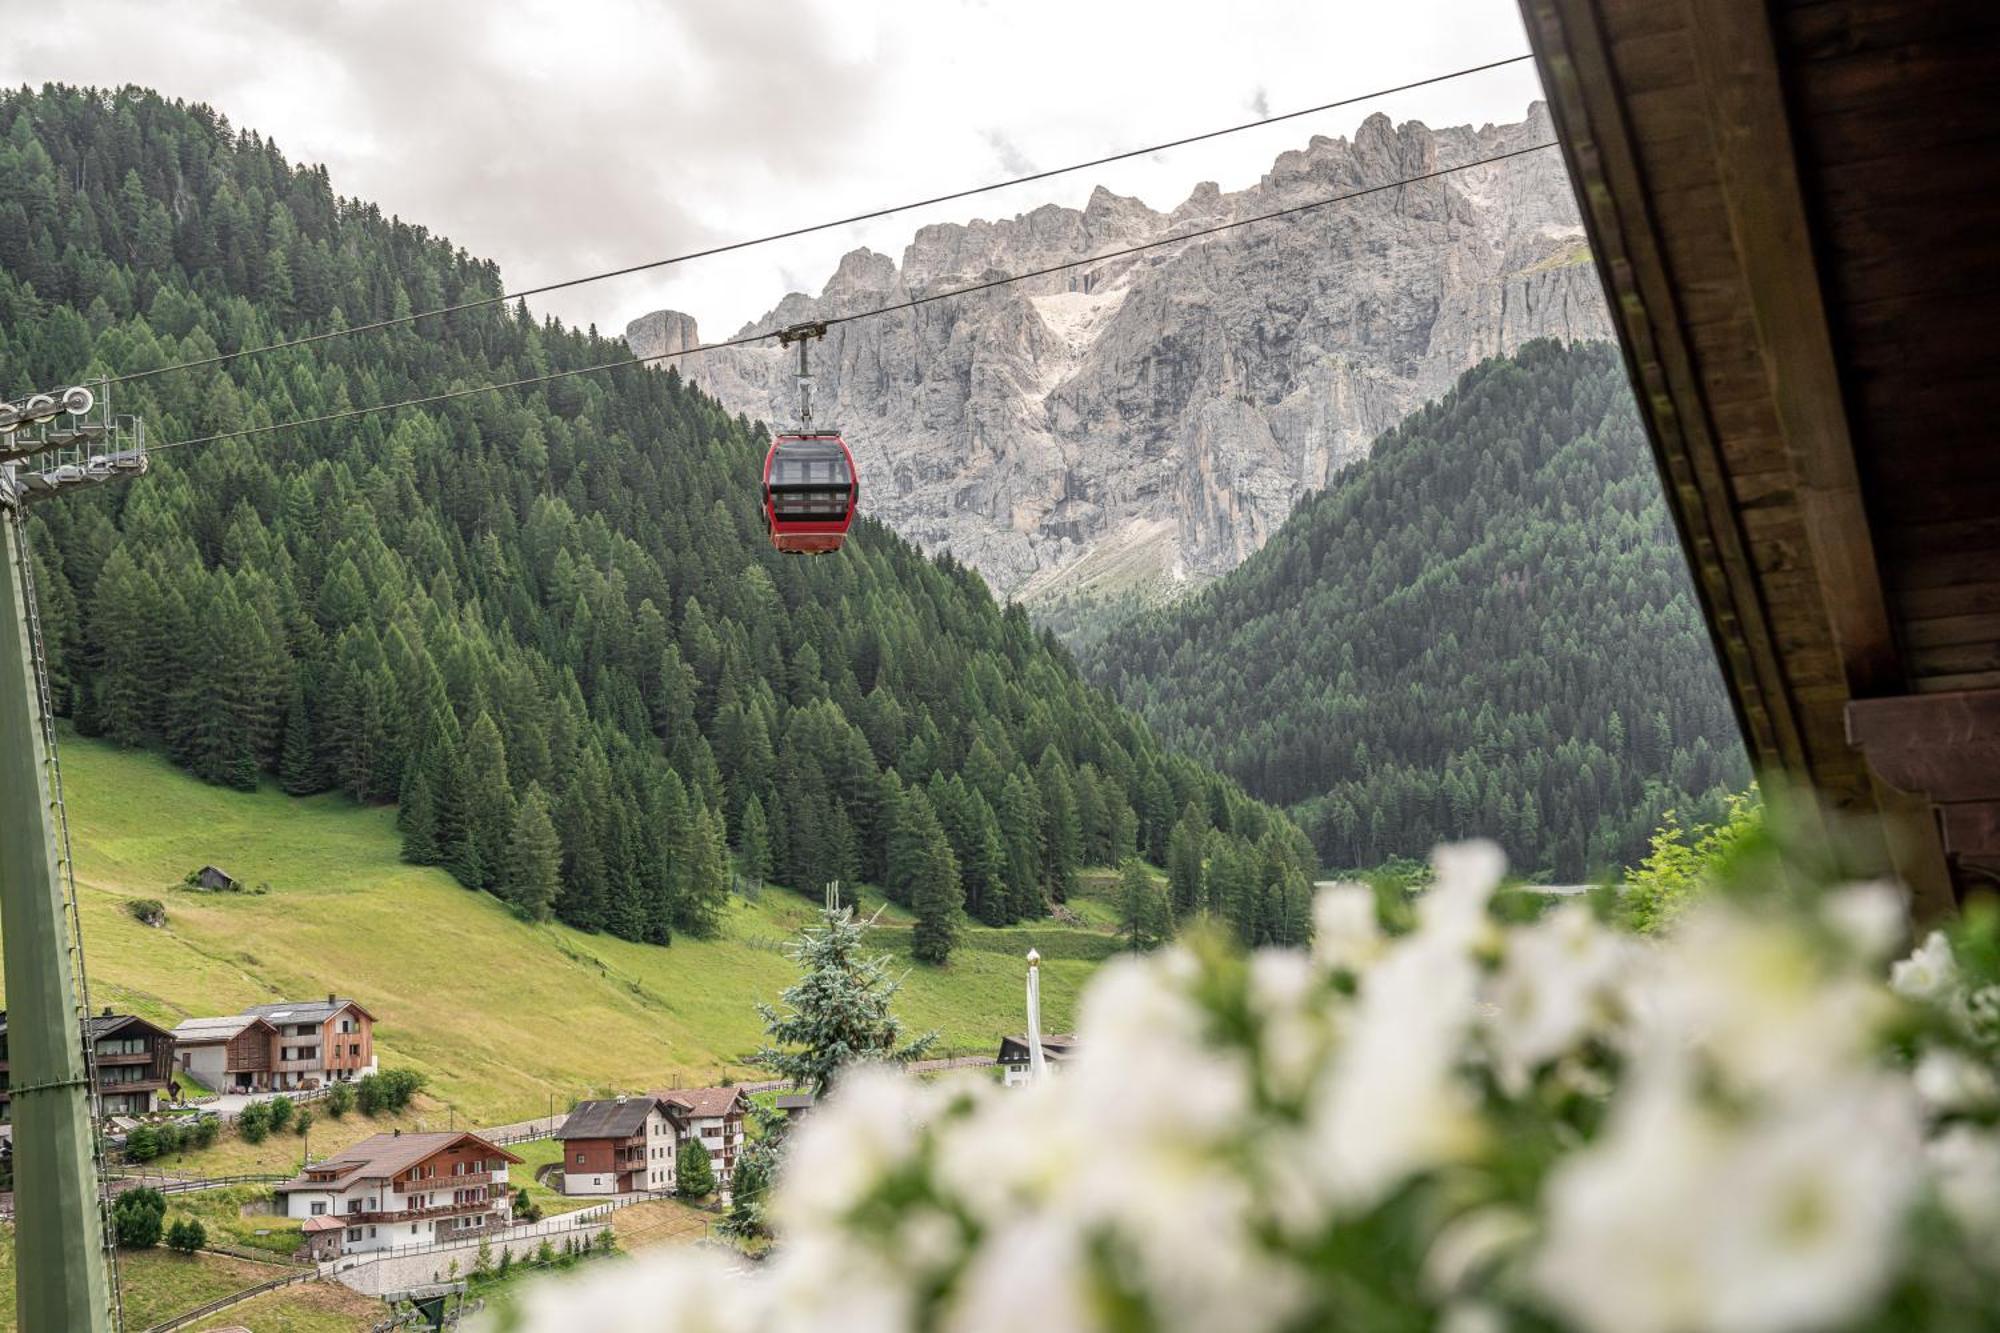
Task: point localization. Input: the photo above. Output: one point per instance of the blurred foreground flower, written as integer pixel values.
(1741, 1124)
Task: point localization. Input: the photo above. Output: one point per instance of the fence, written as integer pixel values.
(202, 1312)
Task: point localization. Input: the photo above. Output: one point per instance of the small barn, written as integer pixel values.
(216, 879)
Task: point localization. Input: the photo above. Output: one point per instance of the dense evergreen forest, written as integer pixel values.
(1485, 628)
(546, 623)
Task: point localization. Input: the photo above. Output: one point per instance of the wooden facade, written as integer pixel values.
(1793, 209)
(135, 1063)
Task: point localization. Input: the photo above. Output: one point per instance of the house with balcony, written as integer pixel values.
(715, 1117)
(621, 1145)
(134, 1064)
(318, 1041)
(399, 1189)
(230, 1054)
(1017, 1057)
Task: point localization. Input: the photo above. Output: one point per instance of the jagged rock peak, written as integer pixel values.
(1152, 419)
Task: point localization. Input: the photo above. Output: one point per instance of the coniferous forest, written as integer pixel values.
(546, 623)
(1485, 628)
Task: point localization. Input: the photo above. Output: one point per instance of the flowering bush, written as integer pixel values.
(1737, 1126)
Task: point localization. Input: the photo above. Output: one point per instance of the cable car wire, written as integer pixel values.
(221, 358)
(530, 381)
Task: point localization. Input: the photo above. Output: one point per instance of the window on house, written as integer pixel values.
(318, 1208)
(579, 1159)
(354, 1233)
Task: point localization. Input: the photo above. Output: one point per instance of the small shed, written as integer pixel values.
(214, 877)
(794, 1104)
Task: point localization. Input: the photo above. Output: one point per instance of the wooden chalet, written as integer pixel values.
(135, 1063)
(618, 1145)
(1793, 206)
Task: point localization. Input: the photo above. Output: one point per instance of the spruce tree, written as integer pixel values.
(534, 858)
(754, 842)
(839, 1010)
(298, 766)
(934, 891)
(417, 813)
(489, 806)
(1140, 910)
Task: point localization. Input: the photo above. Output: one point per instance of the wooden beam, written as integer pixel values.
(1736, 61)
(1754, 155)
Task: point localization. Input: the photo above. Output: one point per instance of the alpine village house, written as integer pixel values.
(399, 1189)
(279, 1047)
(135, 1062)
(629, 1144)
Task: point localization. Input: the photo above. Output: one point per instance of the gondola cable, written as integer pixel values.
(221, 358)
(831, 321)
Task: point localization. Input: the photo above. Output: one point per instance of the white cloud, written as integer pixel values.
(562, 136)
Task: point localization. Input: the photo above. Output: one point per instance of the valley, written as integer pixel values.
(502, 1016)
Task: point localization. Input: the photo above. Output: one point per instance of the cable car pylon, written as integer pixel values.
(63, 1262)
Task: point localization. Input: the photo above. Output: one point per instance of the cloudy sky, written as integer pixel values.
(566, 136)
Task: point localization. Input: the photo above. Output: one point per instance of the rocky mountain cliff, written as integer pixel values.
(1148, 422)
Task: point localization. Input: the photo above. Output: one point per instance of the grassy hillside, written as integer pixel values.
(501, 1014)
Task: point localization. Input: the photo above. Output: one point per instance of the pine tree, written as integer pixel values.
(298, 766)
(754, 842)
(694, 1174)
(705, 895)
(489, 806)
(839, 1010)
(417, 813)
(534, 858)
(933, 887)
(1140, 910)
(1184, 868)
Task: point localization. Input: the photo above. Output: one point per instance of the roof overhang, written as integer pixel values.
(1786, 206)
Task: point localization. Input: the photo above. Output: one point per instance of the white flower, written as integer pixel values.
(1949, 1080)
(1808, 1210)
(1623, 1230)
(1760, 1001)
(1346, 933)
(1929, 974)
(866, 1128)
(1031, 1273)
(705, 1294)
(1556, 987)
(1681, 1218)
(1453, 910)
(1283, 987)
(1965, 1162)
(1471, 1244)
(1871, 917)
(1393, 1103)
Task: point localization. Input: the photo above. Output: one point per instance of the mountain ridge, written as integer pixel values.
(1174, 404)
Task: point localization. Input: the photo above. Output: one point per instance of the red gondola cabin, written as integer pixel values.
(810, 489)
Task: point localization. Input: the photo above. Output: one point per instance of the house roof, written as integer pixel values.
(1055, 1046)
(794, 1101)
(306, 1011)
(611, 1118)
(103, 1025)
(380, 1156)
(330, 1222)
(701, 1103)
(200, 1031)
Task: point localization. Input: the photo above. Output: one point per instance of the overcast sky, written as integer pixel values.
(565, 136)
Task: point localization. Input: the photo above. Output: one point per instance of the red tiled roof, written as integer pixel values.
(384, 1155)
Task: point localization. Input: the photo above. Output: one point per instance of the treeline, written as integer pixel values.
(546, 623)
(1486, 628)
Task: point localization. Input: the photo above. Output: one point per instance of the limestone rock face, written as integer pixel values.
(1171, 406)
